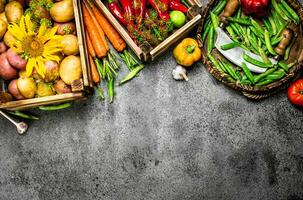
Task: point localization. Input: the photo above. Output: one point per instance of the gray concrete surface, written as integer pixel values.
(160, 139)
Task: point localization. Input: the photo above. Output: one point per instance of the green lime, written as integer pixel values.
(177, 18)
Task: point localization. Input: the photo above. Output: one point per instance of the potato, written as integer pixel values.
(70, 45)
(66, 28)
(7, 72)
(9, 39)
(45, 89)
(3, 47)
(3, 17)
(22, 2)
(70, 69)
(13, 11)
(3, 28)
(16, 60)
(62, 88)
(2, 5)
(52, 71)
(27, 87)
(13, 90)
(62, 11)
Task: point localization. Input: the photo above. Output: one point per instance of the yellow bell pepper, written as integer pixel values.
(187, 52)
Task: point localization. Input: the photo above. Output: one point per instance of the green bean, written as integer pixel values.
(273, 25)
(275, 41)
(263, 75)
(229, 46)
(235, 29)
(245, 81)
(288, 48)
(265, 82)
(283, 66)
(276, 75)
(23, 115)
(131, 74)
(257, 26)
(293, 14)
(239, 20)
(267, 25)
(206, 31)
(214, 20)
(222, 66)
(278, 9)
(285, 11)
(268, 43)
(255, 62)
(254, 30)
(247, 72)
(231, 71)
(239, 12)
(264, 56)
(211, 38)
(231, 33)
(55, 107)
(214, 62)
(219, 7)
(111, 90)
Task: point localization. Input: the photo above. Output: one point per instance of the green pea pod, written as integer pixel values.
(277, 75)
(273, 25)
(257, 33)
(229, 46)
(288, 48)
(263, 75)
(211, 38)
(268, 43)
(111, 90)
(245, 81)
(219, 7)
(267, 25)
(247, 72)
(23, 115)
(278, 10)
(231, 71)
(206, 31)
(246, 22)
(214, 20)
(257, 26)
(131, 74)
(283, 66)
(263, 55)
(231, 33)
(285, 11)
(215, 62)
(222, 66)
(235, 29)
(239, 12)
(291, 12)
(255, 62)
(276, 41)
(55, 107)
(265, 82)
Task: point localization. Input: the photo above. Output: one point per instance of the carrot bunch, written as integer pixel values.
(97, 29)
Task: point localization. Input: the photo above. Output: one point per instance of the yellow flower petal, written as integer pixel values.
(49, 34)
(40, 67)
(29, 24)
(30, 66)
(16, 31)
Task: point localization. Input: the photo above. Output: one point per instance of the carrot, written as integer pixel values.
(94, 71)
(98, 43)
(90, 46)
(97, 25)
(112, 34)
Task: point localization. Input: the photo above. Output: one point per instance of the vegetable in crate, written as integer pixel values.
(139, 10)
(295, 93)
(258, 8)
(177, 18)
(161, 6)
(187, 52)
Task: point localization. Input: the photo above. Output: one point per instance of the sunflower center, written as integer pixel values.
(32, 46)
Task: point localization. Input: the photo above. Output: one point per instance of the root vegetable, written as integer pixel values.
(66, 28)
(70, 69)
(62, 88)
(9, 39)
(3, 17)
(62, 11)
(3, 47)
(45, 89)
(3, 28)
(16, 60)
(52, 71)
(13, 90)
(13, 11)
(70, 45)
(27, 87)
(7, 72)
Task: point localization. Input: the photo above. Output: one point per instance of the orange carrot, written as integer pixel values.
(98, 43)
(97, 25)
(110, 31)
(94, 71)
(90, 45)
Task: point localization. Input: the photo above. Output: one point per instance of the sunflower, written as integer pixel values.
(36, 44)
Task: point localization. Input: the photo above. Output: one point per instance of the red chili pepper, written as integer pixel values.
(116, 11)
(128, 10)
(161, 6)
(139, 10)
(174, 5)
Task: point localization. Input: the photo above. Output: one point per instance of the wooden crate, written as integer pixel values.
(145, 52)
(82, 85)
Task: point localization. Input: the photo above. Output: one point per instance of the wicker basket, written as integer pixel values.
(257, 92)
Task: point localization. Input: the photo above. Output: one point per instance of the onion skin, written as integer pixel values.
(258, 8)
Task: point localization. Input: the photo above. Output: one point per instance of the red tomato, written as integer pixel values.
(295, 93)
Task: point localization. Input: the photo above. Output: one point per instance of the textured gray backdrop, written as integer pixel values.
(160, 139)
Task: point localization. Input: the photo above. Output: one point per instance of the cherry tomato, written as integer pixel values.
(295, 93)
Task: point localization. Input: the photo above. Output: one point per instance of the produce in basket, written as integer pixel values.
(259, 48)
(38, 37)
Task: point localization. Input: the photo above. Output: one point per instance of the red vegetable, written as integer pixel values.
(255, 7)
(116, 11)
(175, 5)
(161, 6)
(128, 10)
(295, 93)
(139, 9)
